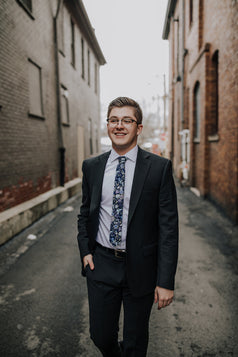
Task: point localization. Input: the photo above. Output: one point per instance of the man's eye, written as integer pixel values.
(127, 121)
(113, 121)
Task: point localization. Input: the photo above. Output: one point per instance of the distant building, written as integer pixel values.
(49, 96)
(203, 109)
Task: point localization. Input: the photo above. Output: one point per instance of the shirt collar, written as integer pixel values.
(131, 155)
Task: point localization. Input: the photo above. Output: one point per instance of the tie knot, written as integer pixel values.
(121, 159)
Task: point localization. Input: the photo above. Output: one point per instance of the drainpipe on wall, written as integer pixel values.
(58, 107)
(182, 72)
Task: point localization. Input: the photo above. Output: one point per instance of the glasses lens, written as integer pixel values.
(127, 122)
(112, 122)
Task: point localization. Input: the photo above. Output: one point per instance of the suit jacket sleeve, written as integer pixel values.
(83, 239)
(168, 230)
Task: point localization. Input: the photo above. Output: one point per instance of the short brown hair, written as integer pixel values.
(123, 102)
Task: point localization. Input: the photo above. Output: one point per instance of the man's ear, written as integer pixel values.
(139, 129)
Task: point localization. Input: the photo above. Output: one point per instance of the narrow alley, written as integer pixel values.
(44, 309)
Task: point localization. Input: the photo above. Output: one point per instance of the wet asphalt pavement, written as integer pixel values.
(43, 299)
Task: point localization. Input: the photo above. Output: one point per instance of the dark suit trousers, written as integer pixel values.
(107, 292)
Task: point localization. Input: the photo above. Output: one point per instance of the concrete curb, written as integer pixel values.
(14, 220)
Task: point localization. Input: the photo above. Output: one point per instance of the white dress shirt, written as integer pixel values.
(105, 212)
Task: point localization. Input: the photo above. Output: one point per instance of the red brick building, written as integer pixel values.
(49, 96)
(203, 113)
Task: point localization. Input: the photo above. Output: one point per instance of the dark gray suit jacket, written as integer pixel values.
(152, 233)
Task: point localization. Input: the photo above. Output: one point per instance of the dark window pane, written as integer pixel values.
(197, 110)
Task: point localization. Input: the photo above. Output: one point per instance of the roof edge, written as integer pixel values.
(169, 13)
(80, 15)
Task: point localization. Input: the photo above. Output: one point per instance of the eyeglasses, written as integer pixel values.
(126, 122)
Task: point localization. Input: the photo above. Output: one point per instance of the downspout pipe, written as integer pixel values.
(182, 69)
(58, 107)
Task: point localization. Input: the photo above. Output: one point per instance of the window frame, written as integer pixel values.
(82, 58)
(197, 112)
(64, 97)
(190, 12)
(89, 67)
(72, 44)
(31, 113)
(96, 78)
(90, 136)
(96, 138)
(215, 65)
(61, 32)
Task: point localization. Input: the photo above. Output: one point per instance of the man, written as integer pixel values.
(127, 234)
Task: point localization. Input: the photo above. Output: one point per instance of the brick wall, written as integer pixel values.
(29, 146)
(214, 159)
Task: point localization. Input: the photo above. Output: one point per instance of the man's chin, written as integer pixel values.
(122, 148)
(120, 142)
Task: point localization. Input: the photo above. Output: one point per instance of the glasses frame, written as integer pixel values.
(122, 122)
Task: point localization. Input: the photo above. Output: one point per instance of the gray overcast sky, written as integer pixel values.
(130, 35)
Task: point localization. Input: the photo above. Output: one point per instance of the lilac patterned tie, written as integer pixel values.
(117, 203)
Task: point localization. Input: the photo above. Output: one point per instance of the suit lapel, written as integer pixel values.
(141, 170)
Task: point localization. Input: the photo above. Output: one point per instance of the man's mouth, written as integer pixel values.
(120, 134)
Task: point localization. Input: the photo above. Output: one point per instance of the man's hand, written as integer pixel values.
(88, 259)
(163, 297)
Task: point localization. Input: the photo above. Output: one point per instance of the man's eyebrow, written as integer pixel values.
(124, 117)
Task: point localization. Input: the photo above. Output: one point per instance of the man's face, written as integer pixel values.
(123, 137)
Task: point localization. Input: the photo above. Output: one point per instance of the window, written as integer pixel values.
(178, 51)
(96, 77)
(89, 79)
(186, 108)
(35, 90)
(215, 93)
(200, 28)
(197, 111)
(72, 44)
(178, 119)
(61, 29)
(96, 135)
(190, 12)
(82, 58)
(64, 105)
(90, 134)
